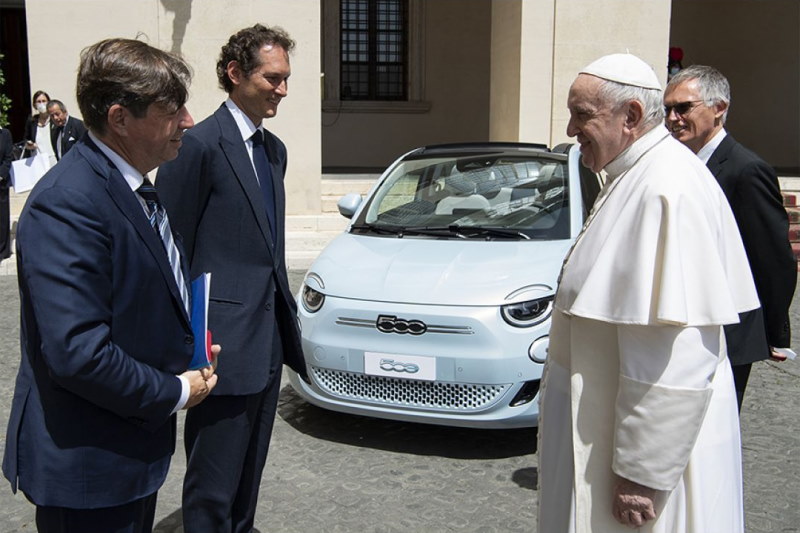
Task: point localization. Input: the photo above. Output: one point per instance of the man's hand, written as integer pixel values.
(208, 371)
(201, 382)
(633, 503)
(776, 355)
(199, 387)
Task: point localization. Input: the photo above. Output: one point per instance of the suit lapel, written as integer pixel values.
(127, 203)
(236, 153)
(717, 160)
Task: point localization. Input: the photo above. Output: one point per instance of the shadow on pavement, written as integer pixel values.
(173, 523)
(404, 437)
(526, 478)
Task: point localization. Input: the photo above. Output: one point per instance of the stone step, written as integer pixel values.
(789, 183)
(340, 187)
(794, 232)
(309, 240)
(324, 222)
(300, 259)
(333, 189)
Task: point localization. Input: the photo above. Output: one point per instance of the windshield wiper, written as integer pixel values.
(401, 231)
(434, 231)
(490, 232)
(381, 230)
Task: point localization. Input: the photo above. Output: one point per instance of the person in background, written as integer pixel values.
(66, 129)
(638, 422)
(697, 100)
(6, 147)
(106, 333)
(37, 130)
(226, 197)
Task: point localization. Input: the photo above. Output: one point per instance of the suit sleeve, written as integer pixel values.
(66, 256)
(764, 227)
(184, 187)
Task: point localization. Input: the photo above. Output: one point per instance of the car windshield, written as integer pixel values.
(492, 196)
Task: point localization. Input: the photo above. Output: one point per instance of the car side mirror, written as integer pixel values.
(349, 204)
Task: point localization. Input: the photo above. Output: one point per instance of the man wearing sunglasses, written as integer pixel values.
(696, 102)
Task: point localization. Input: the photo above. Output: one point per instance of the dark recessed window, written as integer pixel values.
(374, 48)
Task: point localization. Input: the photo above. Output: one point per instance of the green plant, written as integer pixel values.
(5, 101)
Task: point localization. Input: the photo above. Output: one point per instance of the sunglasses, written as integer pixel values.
(681, 108)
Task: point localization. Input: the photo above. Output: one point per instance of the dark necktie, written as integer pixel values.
(59, 138)
(160, 223)
(264, 174)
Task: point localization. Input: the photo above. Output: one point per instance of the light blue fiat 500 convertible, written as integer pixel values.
(434, 305)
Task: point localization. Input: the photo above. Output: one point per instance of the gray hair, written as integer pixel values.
(652, 100)
(59, 103)
(714, 87)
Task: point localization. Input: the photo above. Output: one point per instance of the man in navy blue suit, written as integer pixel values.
(65, 129)
(106, 338)
(697, 100)
(225, 195)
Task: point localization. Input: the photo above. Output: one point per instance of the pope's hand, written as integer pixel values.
(633, 503)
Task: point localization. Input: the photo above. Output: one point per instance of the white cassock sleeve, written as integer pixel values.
(664, 390)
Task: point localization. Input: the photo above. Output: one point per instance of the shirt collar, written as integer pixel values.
(705, 152)
(132, 177)
(243, 122)
(625, 160)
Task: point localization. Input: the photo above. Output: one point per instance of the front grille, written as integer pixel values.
(451, 397)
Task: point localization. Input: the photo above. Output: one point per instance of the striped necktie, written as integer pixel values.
(160, 223)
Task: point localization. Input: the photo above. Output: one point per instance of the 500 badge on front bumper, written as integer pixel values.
(400, 366)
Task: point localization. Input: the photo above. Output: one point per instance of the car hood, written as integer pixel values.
(438, 272)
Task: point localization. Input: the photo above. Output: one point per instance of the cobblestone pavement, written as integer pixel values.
(331, 472)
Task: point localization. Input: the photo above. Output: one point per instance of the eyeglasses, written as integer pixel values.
(681, 108)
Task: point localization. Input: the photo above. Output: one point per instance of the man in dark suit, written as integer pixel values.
(106, 338)
(697, 101)
(65, 130)
(225, 195)
(6, 149)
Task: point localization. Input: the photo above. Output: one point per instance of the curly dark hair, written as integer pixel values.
(130, 73)
(243, 47)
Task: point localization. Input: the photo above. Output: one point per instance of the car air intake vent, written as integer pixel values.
(450, 397)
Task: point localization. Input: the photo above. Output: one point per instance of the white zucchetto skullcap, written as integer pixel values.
(626, 69)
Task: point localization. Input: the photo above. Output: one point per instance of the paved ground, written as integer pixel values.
(331, 472)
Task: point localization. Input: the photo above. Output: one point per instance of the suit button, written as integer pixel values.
(188, 339)
(267, 306)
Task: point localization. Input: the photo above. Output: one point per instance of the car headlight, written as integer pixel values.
(527, 314)
(312, 299)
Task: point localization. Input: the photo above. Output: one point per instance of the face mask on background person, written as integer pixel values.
(41, 107)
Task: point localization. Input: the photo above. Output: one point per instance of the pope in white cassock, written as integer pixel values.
(638, 425)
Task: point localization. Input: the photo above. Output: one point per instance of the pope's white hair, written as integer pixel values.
(652, 100)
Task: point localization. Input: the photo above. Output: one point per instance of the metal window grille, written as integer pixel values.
(374, 49)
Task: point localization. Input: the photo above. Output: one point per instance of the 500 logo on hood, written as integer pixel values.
(392, 324)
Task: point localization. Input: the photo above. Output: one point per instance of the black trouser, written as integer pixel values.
(227, 439)
(134, 517)
(5, 222)
(740, 375)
